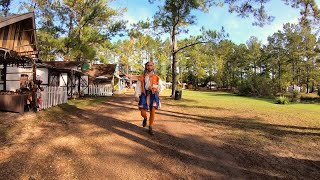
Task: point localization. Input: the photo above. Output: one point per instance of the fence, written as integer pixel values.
(168, 85)
(294, 88)
(100, 90)
(52, 96)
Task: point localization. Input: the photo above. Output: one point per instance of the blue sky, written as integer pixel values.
(239, 29)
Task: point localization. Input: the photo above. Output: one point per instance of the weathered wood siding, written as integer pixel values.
(15, 37)
(19, 36)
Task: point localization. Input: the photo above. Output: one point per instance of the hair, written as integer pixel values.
(149, 62)
(154, 68)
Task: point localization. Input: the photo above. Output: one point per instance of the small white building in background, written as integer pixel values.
(18, 77)
(68, 74)
(294, 88)
(106, 74)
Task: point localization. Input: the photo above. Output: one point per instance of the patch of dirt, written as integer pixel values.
(108, 141)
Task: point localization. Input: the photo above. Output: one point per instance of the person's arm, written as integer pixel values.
(137, 91)
(160, 86)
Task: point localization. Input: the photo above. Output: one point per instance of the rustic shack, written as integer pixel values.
(104, 75)
(132, 80)
(68, 74)
(18, 48)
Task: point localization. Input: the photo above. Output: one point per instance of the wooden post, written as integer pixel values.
(79, 84)
(71, 84)
(34, 88)
(5, 76)
(67, 84)
(49, 73)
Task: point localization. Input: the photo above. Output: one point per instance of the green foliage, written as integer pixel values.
(257, 86)
(310, 99)
(74, 30)
(82, 30)
(282, 100)
(295, 96)
(4, 7)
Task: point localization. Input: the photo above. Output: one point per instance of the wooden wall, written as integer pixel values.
(19, 36)
(14, 75)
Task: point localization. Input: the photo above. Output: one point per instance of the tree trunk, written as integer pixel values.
(307, 79)
(293, 82)
(279, 66)
(174, 61)
(174, 74)
(69, 33)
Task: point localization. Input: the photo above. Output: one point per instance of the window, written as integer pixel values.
(54, 80)
(2, 75)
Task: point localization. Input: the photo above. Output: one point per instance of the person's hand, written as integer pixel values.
(136, 99)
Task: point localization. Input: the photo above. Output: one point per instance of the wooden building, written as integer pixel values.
(18, 47)
(68, 74)
(106, 74)
(18, 33)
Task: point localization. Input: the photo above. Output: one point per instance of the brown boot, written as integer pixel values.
(144, 122)
(151, 131)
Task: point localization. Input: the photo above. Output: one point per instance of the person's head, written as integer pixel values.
(149, 66)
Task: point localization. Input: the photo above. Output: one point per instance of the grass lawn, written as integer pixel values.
(255, 123)
(292, 114)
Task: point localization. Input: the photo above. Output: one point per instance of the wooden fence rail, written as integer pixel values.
(100, 90)
(52, 96)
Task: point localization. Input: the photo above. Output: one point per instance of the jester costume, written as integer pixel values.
(148, 89)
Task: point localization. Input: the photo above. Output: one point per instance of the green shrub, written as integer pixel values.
(309, 99)
(282, 100)
(256, 86)
(295, 96)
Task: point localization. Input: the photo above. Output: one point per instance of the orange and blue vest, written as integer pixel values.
(153, 94)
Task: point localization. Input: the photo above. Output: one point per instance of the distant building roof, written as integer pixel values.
(121, 74)
(65, 64)
(22, 26)
(101, 72)
(5, 21)
(133, 77)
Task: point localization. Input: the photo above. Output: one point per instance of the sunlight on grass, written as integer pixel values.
(303, 114)
(71, 107)
(250, 122)
(86, 102)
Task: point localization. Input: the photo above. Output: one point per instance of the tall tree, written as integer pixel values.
(174, 16)
(4, 7)
(81, 25)
(254, 46)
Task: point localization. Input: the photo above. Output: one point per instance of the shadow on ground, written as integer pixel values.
(196, 157)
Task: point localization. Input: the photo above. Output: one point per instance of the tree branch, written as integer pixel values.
(192, 44)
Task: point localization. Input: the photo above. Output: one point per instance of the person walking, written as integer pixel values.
(147, 91)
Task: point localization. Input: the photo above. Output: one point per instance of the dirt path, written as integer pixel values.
(108, 142)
